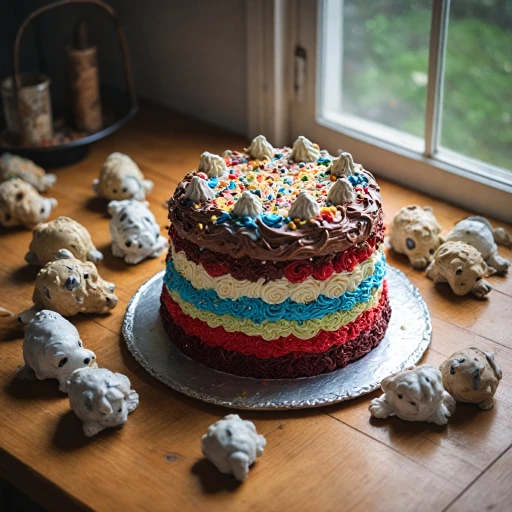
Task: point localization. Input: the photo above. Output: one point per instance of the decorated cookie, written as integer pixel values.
(416, 233)
(478, 232)
(21, 204)
(101, 399)
(70, 286)
(52, 349)
(14, 166)
(121, 178)
(135, 232)
(472, 375)
(61, 233)
(415, 394)
(232, 445)
(462, 267)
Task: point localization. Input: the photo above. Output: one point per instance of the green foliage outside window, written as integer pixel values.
(386, 62)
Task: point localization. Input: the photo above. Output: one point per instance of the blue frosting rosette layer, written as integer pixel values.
(259, 311)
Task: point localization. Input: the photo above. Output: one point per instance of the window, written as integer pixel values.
(420, 91)
(477, 98)
(375, 68)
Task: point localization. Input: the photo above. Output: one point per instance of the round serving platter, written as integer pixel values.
(407, 338)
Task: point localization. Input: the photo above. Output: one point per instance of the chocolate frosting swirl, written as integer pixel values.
(352, 224)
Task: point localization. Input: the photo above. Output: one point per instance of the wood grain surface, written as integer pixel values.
(333, 458)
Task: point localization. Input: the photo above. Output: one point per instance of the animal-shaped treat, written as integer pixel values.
(472, 375)
(232, 445)
(416, 233)
(70, 286)
(101, 399)
(415, 394)
(135, 232)
(61, 233)
(21, 204)
(52, 349)
(462, 267)
(14, 166)
(121, 178)
(478, 232)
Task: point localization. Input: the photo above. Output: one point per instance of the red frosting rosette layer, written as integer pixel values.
(257, 346)
(290, 366)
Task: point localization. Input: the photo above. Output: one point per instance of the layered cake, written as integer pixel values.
(274, 268)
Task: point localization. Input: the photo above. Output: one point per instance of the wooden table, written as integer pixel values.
(333, 458)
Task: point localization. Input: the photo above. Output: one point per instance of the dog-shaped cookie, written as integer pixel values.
(14, 166)
(70, 286)
(135, 232)
(232, 445)
(415, 394)
(21, 204)
(478, 232)
(62, 233)
(472, 375)
(416, 233)
(52, 349)
(462, 267)
(120, 178)
(101, 399)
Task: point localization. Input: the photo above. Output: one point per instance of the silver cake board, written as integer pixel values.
(407, 337)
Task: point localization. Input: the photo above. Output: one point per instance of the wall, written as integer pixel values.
(187, 55)
(191, 56)
(12, 13)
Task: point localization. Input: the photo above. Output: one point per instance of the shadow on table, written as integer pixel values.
(213, 481)
(34, 389)
(111, 261)
(97, 204)
(10, 328)
(69, 435)
(12, 230)
(464, 414)
(26, 273)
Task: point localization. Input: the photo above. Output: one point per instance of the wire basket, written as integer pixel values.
(119, 106)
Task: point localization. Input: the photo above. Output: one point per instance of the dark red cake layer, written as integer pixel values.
(298, 364)
(320, 267)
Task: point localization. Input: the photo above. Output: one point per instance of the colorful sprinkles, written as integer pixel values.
(277, 183)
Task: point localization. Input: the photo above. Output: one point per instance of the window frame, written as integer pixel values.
(406, 159)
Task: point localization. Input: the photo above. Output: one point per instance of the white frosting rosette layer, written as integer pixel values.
(277, 291)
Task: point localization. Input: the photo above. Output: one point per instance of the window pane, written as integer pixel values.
(385, 62)
(477, 103)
